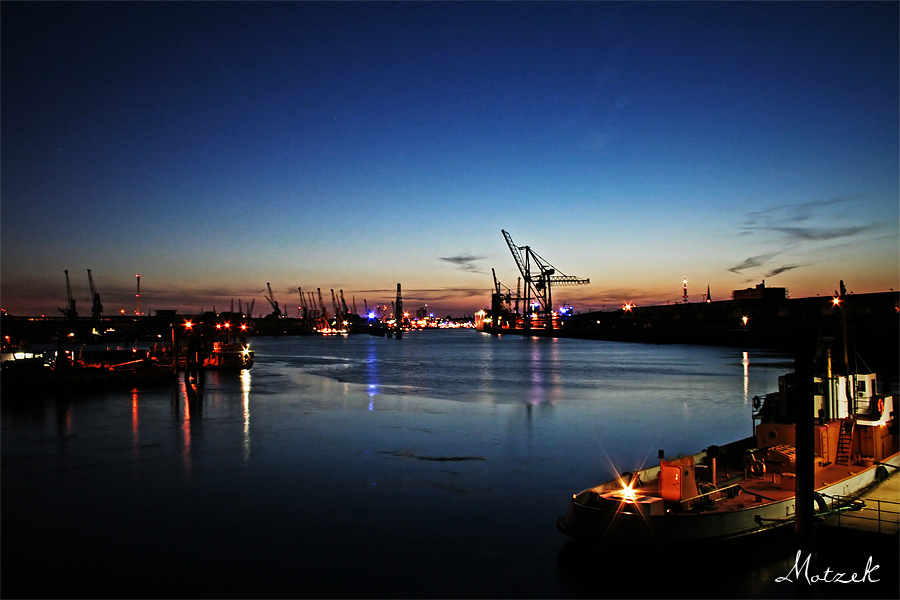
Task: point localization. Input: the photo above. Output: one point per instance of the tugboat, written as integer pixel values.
(749, 486)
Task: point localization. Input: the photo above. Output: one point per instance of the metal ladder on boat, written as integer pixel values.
(845, 442)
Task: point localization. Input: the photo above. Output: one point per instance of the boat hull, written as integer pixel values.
(633, 522)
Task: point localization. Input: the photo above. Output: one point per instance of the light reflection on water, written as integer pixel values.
(471, 442)
(245, 401)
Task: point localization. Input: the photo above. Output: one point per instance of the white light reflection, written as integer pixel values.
(536, 391)
(372, 372)
(746, 362)
(245, 401)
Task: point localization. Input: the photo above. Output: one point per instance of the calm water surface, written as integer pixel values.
(432, 466)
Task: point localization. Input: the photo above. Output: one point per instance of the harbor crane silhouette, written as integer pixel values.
(539, 277)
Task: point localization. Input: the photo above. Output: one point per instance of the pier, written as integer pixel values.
(765, 318)
(881, 513)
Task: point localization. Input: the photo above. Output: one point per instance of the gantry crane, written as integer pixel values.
(96, 306)
(69, 312)
(538, 284)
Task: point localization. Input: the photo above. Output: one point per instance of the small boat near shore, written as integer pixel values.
(749, 486)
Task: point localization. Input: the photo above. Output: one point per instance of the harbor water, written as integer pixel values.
(431, 466)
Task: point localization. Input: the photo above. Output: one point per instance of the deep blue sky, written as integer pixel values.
(214, 147)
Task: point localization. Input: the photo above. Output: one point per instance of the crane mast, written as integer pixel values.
(322, 305)
(69, 312)
(334, 306)
(311, 302)
(346, 313)
(304, 312)
(96, 306)
(276, 311)
(539, 276)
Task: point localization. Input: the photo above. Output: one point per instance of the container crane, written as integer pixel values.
(335, 308)
(538, 284)
(346, 312)
(324, 314)
(311, 302)
(276, 311)
(303, 312)
(69, 312)
(96, 306)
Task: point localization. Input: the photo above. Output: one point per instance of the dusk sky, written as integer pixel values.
(215, 147)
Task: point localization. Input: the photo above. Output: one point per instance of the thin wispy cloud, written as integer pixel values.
(797, 212)
(815, 234)
(799, 228)
(780, 270)
(752, 262)
(464, 262)
(806, 221)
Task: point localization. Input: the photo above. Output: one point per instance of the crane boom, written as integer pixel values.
(516, 252)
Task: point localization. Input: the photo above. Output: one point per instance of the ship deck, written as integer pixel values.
(736, 492)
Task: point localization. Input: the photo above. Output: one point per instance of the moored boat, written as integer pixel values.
(85, 370)
(749, 486)
(213, 343)
(229, 355)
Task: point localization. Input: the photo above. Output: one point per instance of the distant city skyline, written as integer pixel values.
(213, 148)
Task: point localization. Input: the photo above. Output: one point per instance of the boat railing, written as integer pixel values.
(871, 514)
(708, 499)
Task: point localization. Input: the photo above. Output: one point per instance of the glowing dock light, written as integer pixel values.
(744, 320)
(627, 306)
(836, 301)
(188, 325)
